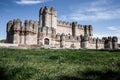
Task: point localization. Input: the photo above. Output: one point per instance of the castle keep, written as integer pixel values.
(51, 33)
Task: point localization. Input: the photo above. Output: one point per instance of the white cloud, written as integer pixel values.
(112, 31)
(100, 35)
(99, 2)
(30, 2)
(112, 28)
(63, 17)
(94, 12)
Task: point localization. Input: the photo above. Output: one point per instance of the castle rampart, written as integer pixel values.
(50, 32)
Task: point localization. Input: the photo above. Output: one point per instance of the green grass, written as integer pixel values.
(59, 64)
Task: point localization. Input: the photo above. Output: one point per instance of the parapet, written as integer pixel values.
(78, 26)
(64, 24)
(49, 10)
(87, 27)
(16, 25)
(115, 39)
(31, 26)
(112, 39)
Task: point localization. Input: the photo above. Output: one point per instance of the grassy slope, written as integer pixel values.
(62, 64)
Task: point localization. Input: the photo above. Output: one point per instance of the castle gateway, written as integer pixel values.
(49, 32)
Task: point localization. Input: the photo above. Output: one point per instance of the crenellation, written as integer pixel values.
(114, 39)
(17, 24)
(49, 32)
(80, 27)
(64, 24)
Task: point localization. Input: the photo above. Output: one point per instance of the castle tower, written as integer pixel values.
(74, 26)
(97, 42)
(109, 42)
(62, 40)
(10, 32)
(86, 30)
(26, 23)
(48, 17)
(90, 30)
(114, 42)
(16, 29)
(85, 41)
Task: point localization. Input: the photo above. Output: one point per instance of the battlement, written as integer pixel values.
(47, 10)
(96, 41)
(16, 25)
(67, 37)
(50, 32)
(64, 24)
(78, 26)
(111, 39)
(87, 27)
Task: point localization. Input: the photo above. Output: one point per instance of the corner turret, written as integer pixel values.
(115, 42)
(74, 26)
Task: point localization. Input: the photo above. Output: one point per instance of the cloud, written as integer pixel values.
(94, 14)
(112, 28)
(112, 31)
(92, 17)
(99, 2)
(30, 2)
(102, 34)
(94, 11)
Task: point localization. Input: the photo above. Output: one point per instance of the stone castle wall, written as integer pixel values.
(18, 34)
(51, 33)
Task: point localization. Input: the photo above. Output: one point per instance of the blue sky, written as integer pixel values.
(104, 15)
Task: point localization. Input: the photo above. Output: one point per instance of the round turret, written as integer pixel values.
(86, 38)
(114, 39)
(109, 38)
(14, 21)
(97, 40)
(104, 38)
(90, 27)
(62, 37)
(58, 36)
(46, 9)
(18, 21)
(41, 11)
(17, 24)
(74, 23)
(26, 22)
(9, 25)
(53, 11)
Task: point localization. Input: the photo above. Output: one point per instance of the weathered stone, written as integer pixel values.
(49, 32)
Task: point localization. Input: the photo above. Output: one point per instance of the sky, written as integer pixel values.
(103, 15)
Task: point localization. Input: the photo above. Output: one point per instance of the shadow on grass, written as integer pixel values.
(110, 50)
(19, 73)
(93, 75)
(3, 74)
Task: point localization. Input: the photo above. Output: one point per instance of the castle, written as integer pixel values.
(51, 33)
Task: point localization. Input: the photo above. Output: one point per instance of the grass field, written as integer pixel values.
(59, 64)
